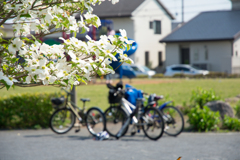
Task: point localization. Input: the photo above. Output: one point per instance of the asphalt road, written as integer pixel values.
(46, 145)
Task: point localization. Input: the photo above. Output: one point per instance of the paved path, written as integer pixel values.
(46, 145)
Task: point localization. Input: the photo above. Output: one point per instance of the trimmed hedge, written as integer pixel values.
(158, 75)
(142, 76)
(27, 110)
(210, 75)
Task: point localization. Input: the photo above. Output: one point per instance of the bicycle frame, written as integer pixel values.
(72, 106)
(131, 114)
(164, 105)
(127, 105)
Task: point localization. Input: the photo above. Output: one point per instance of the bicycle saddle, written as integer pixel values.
(85, 99)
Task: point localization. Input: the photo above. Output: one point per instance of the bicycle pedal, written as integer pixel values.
(77, 130)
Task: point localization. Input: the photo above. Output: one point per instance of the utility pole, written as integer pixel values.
(74, 95)
(73, 91)
(182, 11)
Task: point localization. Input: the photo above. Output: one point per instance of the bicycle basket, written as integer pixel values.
(113, 96)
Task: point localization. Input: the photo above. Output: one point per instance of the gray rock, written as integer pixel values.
(222, 107)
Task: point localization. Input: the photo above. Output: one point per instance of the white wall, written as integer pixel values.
(172, 54)
(148, 11)
(124, 23)
(236, 56)
(219, 54)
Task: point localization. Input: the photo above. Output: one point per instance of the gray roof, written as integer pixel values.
(123, 8)
(175, 25)
(208, 26)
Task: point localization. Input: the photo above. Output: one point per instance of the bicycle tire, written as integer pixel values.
(153, 123)
(95, 121)
(115, 118)
(62, 120)
(174, 121)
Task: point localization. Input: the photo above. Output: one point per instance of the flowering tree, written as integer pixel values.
(47, 65)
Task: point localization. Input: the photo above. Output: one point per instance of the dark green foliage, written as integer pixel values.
(237, 109)
(28, 110)
(142, 76)
(201, 97)
(209, 76)
(158, 75)
(230, 123)
(179, 75)
(203, 119)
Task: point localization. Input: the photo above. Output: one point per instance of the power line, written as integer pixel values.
(193, 6)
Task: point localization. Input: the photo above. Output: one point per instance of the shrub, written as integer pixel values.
(142, 76)
(185, 109)
(179, 75)
(28, 110)
(217, 75)
(203, 119)
(230, 123)
(237, 109)
(158, 75)
(234, 76)
(201, 97)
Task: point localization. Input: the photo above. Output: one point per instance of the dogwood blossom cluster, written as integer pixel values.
(25, 59)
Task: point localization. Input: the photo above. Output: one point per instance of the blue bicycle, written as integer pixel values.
(173, 118)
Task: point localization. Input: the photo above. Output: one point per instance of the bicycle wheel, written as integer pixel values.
(62, 121)
(95, 120)
(115, 118)
(174, 122)
(153, 124)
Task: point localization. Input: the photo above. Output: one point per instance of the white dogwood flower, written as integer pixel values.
(115, 1)
(124, 37)
(15, 46)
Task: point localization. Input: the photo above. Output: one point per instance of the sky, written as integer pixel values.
(194, 7)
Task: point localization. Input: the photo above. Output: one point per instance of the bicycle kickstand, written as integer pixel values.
(78, 129)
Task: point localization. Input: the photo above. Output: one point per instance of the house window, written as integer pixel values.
(159, 58)
(206, 53)
(151, 25)
(146, 58)
(236, 53)
(196, 55)
(157, 27)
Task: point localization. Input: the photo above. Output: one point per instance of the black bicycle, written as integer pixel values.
(122, 113)
(64, 117)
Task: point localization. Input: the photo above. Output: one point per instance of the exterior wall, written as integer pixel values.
(172, 54)
(236, 56)
(124, 23)
(148, 11)
(7, 31)
(128, 25)
(217, 55)
(137, 28)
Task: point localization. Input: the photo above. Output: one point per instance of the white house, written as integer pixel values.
(7, 31)
(146, 21)
(210, 41)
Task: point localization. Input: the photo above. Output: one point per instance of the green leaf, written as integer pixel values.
(5, 84)
(25, 15)
(33, 37)
(83, 30)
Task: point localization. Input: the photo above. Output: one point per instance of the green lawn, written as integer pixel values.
(178, 90)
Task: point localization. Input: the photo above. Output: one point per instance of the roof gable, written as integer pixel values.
(208, 26)
(123, 8)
